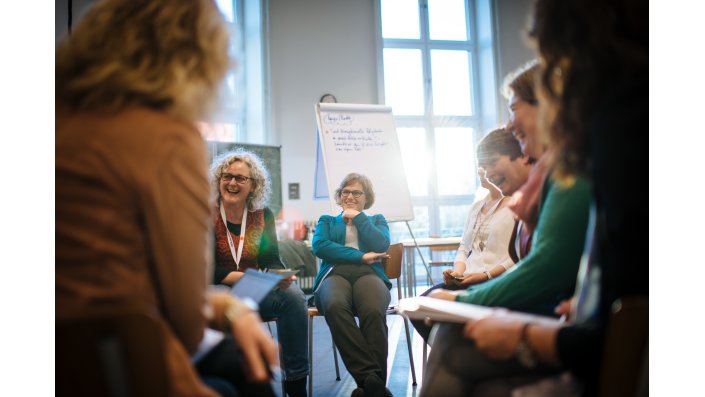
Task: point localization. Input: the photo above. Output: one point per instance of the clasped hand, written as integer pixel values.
(451, 277)
(372, 257)
(349, 214)
(286, 283)
(497, 336)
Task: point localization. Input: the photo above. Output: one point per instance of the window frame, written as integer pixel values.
(246, 112)
(482, 117)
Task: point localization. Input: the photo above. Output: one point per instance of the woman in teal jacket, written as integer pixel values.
(351, 282)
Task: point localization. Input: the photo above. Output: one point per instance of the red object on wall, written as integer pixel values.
(300, 230)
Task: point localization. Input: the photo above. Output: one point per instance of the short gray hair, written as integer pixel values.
(366, 187)
(261, 183)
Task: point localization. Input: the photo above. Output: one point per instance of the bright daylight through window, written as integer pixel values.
(431, 56)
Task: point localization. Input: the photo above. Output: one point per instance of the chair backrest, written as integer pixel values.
(624, 370)
(392, 266)
(115, 355)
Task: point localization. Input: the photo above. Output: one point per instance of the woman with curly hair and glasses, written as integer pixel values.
(246, 238)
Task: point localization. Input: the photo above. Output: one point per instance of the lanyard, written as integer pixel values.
(236, 255)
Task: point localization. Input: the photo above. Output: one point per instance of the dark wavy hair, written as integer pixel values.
(585, 48)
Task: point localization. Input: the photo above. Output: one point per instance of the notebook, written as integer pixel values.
(423, 307)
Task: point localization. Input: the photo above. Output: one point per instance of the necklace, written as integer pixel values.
(484, 221)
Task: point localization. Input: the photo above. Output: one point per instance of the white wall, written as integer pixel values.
(316, 47)
(512, 50)
(328, 46)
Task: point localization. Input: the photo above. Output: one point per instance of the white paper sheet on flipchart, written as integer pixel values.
(362, 138)
(422, 307)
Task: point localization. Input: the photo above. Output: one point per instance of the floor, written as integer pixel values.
(399, 379)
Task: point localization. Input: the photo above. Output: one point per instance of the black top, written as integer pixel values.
(619, 167)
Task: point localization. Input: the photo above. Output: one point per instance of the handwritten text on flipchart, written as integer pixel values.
(347, 137)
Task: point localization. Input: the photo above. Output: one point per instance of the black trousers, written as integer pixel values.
(355, 290)
(224, 366)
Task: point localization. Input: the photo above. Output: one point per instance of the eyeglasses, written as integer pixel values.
(241, 179)
(355, 193)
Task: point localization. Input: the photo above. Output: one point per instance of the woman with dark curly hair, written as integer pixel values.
(593, 100)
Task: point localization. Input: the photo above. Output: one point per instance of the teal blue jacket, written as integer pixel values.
(329, 243)
(549, 272)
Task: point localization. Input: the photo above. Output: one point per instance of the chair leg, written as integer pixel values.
(424, 359)
(335, 358)
(281, 359)
(310, 356)
(281, 364)
(411, 354)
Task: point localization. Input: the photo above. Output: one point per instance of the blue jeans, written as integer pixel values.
(289, 307)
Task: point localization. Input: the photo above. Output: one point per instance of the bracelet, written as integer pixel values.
(525, 355)
(489, 276)
(235, 310)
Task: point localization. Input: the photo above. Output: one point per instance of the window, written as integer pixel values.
(436, 57)
(238, 119)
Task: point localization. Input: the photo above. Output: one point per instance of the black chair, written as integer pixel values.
(117, 354)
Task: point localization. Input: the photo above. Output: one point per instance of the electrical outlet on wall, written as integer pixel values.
(293, 191)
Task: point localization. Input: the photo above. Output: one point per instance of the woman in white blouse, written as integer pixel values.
(484, 248)
(483, 254)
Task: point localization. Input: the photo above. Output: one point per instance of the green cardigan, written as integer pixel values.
(548, 274)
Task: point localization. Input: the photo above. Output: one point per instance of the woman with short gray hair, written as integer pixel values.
(352, 282)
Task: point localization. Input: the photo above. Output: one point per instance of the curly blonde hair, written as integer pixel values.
(167, 55)
(261, 183)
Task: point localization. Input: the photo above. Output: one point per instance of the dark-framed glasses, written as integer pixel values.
(355, 193)
(241, 179)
